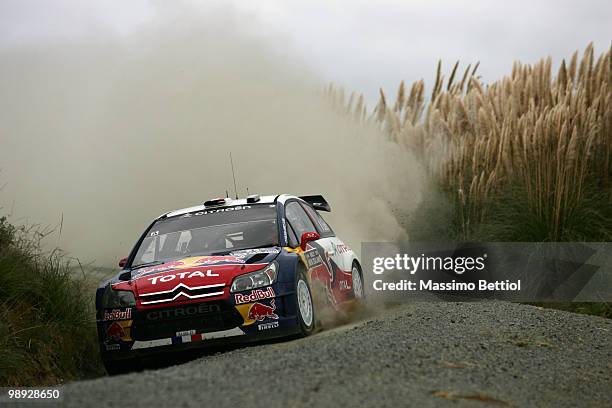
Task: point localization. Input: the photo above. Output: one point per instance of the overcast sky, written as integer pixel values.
(360, 44)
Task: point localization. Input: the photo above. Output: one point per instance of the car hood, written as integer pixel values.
(193, 279)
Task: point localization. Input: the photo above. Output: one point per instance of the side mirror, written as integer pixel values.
(307, 237)
(122, 262)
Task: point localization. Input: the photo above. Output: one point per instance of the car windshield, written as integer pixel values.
(208, 232)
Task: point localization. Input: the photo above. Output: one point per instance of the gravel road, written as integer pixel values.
(422, 354)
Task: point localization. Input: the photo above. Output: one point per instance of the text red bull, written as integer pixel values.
(117, 314)
(254, 296)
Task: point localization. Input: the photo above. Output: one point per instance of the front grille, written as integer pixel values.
(203, 318)
(181, 290)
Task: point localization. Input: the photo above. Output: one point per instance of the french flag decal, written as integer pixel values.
(187, 339)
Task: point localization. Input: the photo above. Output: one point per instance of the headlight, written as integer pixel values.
(253, 280)
(118, 298)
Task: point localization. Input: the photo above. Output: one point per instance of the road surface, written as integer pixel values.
(422, 354)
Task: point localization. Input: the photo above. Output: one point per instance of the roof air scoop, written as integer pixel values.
(317, 201)
(217, 201)
(253, 198)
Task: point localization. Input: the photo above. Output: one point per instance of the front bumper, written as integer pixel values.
(210, 323)
(218, 343)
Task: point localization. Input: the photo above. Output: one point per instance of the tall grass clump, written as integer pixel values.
(47, 326)
(525, 158)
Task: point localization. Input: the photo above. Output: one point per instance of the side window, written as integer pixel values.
(323, 228)
(298, 219)
(293, 240)
(148, 255)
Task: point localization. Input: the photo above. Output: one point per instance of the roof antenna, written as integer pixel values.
(233, 175)
(247, 191)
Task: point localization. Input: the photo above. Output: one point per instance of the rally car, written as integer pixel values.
(227, 271)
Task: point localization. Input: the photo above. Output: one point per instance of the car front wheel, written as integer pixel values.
(305, 305)
(357, 283)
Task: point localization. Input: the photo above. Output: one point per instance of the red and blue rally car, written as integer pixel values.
(227, 271)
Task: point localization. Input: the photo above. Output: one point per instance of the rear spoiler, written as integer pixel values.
(318, 202)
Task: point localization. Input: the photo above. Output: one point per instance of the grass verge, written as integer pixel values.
(590, 308)
(47, 329)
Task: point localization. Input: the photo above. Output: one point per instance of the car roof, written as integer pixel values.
(230, 202)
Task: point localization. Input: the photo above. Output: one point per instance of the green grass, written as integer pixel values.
(47, 324)
(589, 308)
(509, 218)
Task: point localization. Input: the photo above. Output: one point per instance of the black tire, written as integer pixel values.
(307, 319)
(362, 297)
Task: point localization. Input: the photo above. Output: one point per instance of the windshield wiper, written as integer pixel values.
(142, 265)
(264, 246)
(230, 250)
(255, 247)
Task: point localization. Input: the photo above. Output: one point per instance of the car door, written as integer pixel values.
(313, 255)
(340, 257)
(325, 258)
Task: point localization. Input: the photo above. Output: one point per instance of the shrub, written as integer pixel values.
(525, 158)
(528, 157)
(47, 326)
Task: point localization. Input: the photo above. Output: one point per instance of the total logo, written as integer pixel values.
(254, 296)
(183, 275)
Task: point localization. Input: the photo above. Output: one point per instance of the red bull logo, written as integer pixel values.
(259, 311)
(254, 296)
(114, 332)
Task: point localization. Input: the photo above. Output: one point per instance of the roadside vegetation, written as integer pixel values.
(591, 308)
(525, 158)
(47, 325)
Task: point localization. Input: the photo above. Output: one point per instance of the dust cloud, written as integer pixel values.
(110, 131)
